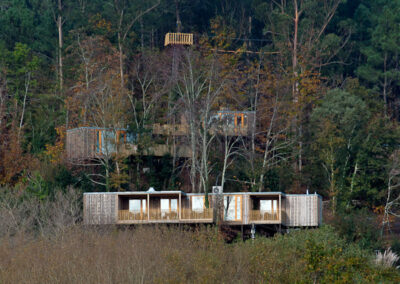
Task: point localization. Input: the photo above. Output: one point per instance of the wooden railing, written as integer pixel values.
(157, 214)
(257, 215)
(126, 215)
(189, 214)
(178, 38)
(170, 129)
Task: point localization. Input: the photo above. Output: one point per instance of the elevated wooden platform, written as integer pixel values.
(178, 39)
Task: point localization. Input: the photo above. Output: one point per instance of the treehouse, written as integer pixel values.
(233, 123)
(92, 142)
(86, 143)
(222, 122)
(178, 39)
(240, 208)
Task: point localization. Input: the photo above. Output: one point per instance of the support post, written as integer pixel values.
(180, 206)
(148, 207)
(280, 209)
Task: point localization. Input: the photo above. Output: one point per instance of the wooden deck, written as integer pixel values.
(160, 216)
(257, 216)
(290, 210)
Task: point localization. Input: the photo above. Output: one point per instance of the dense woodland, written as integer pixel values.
(323, 78)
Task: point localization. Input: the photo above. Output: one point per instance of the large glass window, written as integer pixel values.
(108, 142)
(174, 205)
(232, 208)
(269, 206)
(164, 205)
(198, 203)
(134, 205)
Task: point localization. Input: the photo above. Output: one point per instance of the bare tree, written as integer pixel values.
(124, 28)
(392, 205)
(198, 87)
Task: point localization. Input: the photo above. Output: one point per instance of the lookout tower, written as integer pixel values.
(178, 39)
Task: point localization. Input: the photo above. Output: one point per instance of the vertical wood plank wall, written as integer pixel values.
(296, 210)
(100, 209)
(302, 210)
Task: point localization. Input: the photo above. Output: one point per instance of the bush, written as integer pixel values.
(162, 254)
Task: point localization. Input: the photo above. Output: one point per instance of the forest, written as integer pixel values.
(321, 77)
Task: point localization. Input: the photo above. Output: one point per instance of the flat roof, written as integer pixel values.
(98, 128)
(184, 193)
(139, 192)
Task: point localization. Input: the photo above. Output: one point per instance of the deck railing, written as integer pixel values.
(257, 215)
(189, 214)
(126, 215)
(178, 38)
(158, 214)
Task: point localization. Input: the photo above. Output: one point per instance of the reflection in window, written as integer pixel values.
(198, 203)
(164, 205)
(174, 205)
(232, 208)
(134, 205)
(268, 206)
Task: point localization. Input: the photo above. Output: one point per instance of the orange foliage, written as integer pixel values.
(13, 160)
(55, 152)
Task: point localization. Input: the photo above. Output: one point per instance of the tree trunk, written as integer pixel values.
(121, 60)
(385, 83)
(60, 46)
(27, 83)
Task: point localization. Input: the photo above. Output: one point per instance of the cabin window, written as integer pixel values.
(164, 205)
(121, 137)
(134, 205)
(98, 141)
(239, 120)
(108, 139)
(268, 206)
(232, 208)
(198, 203)
(137, 205)
(174, 205)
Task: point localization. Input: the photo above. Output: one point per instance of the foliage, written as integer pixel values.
(195, 255)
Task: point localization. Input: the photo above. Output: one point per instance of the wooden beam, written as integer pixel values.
(280, 209)
(148, 207)
(180, 206)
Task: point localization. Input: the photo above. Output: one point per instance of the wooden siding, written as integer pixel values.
(80, 143)
(100, 208)
(302, 210)
(293, 210)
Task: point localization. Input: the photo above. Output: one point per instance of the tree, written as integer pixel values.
(97, 99)
(381, 68)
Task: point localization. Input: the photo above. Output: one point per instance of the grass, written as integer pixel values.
(172, 255)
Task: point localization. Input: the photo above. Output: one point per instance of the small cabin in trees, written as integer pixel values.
(93, 142)
(231, 208)
(233, 123)
(86, 143)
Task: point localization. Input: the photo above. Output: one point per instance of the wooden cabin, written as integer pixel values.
(178, 39)
(93, 142)
(241, 208)
(85, 143)
(233, 123)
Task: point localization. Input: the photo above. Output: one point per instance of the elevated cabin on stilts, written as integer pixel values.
(232, 209)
